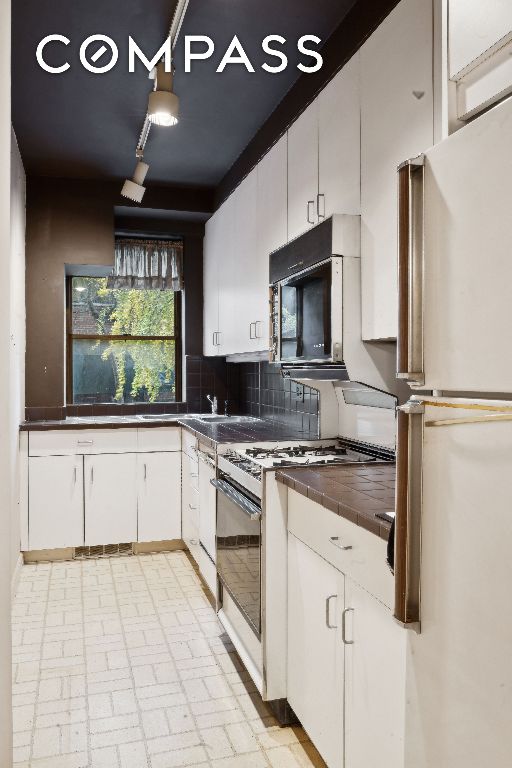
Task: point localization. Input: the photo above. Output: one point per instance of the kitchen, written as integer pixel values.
(257, 401)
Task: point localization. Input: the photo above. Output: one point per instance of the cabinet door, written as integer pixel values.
(55, 502)
(110, 483)
(159, 496)
(374, 683)
(303, 172)
(315, 650)
(190, 505)
(339, 143)
(207, 508)
(396, 123)
(211, 286)
(249, 296)
(474, 28)
(228, 276)
(272, 226)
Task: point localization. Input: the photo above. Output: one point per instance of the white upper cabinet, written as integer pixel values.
(272, 201)
(211, 286)
(324, 154)
(303, 172)
(479, 50)
(272, 230)
(475, 28)
(396, 124)
(228, 277)
(339, 143)
(249, 293)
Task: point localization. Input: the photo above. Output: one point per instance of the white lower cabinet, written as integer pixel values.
(55, 497)
(346, 665)
(374, 683)
(315, 649)
(159, 496)
(110, 485)
(207, 522)
(190, 504)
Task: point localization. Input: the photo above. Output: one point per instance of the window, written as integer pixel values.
(124, 345)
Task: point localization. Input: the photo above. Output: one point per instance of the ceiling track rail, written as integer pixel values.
(174, 31)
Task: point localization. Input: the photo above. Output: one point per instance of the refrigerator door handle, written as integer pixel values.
(410, 271)
(408, 514)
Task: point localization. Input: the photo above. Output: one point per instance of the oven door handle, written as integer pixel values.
(250, 509)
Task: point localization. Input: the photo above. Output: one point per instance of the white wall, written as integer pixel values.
(6, 468)
(17, 337)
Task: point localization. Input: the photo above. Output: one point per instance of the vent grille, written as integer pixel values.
(103, 550)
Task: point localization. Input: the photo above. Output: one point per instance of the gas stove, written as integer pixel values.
(246, 464)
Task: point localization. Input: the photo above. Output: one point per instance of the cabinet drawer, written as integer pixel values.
(161, 439)
(364, 562)
(68, 442)
(188, 444)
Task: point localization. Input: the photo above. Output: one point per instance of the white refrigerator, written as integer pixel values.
(453, 540)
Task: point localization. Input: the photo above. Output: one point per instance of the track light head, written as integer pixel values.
(133, 188)
(163, 104)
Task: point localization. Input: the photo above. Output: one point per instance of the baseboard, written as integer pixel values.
(48, 555)
(148, 547)
(15, 579)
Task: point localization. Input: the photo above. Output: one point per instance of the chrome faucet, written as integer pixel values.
(213, 402)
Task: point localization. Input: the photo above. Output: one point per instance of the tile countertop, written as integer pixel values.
(355, 491)
(253, 431)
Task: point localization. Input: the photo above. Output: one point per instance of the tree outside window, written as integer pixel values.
(123, 345)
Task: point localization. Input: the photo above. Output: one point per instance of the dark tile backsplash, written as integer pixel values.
(255, 389)
(264, 393)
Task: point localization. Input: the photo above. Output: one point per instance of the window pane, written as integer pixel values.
(123, 371)
(97, 309)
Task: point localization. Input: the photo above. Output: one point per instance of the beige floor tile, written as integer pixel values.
(121, 663)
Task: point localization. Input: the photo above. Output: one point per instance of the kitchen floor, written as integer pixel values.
(121, 663)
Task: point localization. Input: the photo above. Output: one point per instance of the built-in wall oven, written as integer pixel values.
(239, 548)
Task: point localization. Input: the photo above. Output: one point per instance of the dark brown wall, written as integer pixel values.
(72, 222)
(68, 222)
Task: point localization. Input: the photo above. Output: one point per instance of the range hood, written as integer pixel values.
(315, 372)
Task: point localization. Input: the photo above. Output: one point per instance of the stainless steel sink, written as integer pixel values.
(159, 417)
(217, 419)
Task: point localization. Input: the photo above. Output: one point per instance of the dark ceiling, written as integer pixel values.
(78, 124)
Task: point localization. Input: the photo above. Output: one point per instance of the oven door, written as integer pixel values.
(239, 548)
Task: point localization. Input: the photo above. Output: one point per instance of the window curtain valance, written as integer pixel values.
(147, 264)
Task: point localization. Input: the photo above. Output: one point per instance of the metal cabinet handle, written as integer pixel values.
(320, 215)
(410, 365)
(310, 203)
(191, 506)
(298, 264)
(335, 541)
(145, 472)
(86, 442)
(213, 339)
(327, 607)
(256, 335)
(217, 339)
(194, 476)
(407, 550)
(344, 626)
(194, 542)
(250, 330)
(92, 474)
(74, 475)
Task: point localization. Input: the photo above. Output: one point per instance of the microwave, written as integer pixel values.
(307, 293)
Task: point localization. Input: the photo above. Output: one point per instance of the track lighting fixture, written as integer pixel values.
(133, 188)
(163, 104)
